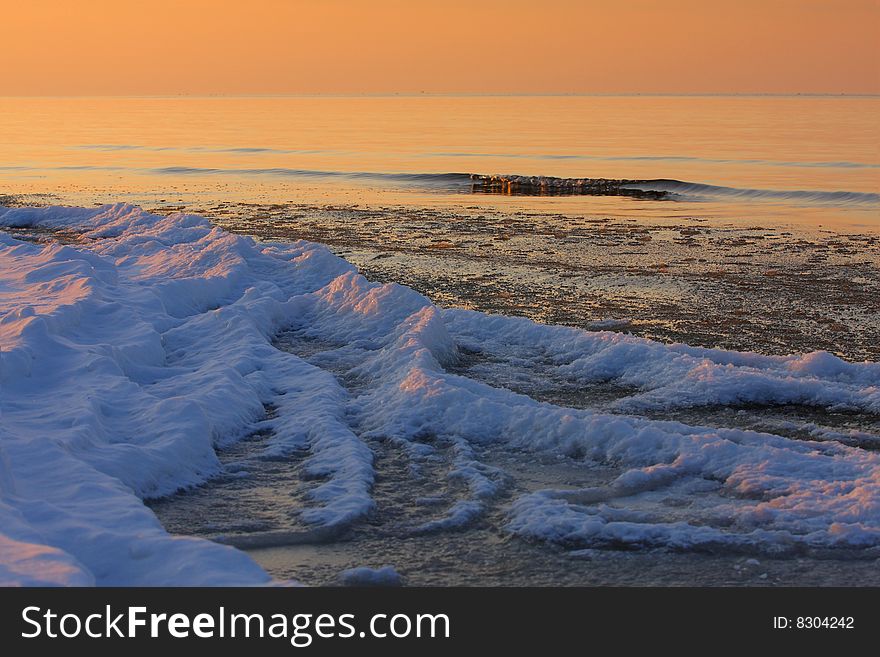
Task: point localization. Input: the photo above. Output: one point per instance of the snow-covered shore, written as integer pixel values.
(128, 357)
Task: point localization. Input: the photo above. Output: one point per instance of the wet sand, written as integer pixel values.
(774, 290)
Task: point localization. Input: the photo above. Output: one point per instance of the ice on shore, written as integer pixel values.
(129, 357)
(364, 576)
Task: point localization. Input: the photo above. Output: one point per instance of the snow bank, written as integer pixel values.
(128, 357)
(678, 375)
(125, 361)
(681, 486)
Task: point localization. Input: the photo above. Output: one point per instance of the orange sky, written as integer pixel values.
(408, 46)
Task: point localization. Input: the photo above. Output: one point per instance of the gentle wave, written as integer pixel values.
(657, 188)
(661, 189)
(691, 190)
(428, 179)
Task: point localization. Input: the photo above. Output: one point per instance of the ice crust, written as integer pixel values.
(129, 357)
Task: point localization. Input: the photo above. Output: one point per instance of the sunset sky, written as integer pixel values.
(82, 47)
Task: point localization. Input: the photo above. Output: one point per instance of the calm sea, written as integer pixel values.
(799, 160)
